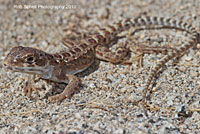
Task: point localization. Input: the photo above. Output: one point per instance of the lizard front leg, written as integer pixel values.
(29, 87)
(70, 89)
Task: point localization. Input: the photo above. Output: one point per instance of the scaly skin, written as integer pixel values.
(61, 67)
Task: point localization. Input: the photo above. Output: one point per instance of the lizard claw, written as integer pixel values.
(57, 98)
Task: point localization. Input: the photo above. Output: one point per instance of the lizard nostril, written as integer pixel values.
(7, 67)
(4, 64)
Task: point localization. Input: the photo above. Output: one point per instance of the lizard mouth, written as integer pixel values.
(15, 69)
(30, 70)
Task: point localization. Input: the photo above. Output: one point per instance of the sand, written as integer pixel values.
(106, 101)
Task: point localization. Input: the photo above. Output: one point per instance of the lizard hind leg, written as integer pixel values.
(119, 55)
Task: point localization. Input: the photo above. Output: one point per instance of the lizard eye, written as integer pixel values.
(30, 59)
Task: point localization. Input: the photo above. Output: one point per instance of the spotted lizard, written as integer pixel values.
(62, 66)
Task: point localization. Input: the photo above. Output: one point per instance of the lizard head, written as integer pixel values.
(26, 59)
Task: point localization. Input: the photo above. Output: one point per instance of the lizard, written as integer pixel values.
(62, 66)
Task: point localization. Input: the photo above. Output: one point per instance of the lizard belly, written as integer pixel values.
(58, 74)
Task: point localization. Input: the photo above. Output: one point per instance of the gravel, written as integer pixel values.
(107, 100)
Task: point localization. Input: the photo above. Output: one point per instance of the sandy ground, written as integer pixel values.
(106, 102)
